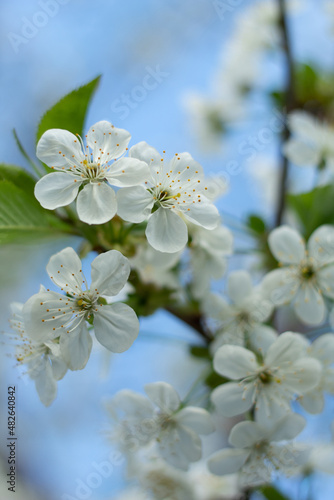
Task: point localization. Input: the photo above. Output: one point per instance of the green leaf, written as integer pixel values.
(272, 493)
(22, 219)
(313, 208)
(199, 352)
(256, 223)
(70, 112)
(18, 176)
(25, 155)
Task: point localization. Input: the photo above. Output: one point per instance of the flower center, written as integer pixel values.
(93, 170)
(307, 272)
(266, 377)
(85, 303)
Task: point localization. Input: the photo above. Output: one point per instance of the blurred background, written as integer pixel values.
(47, 49)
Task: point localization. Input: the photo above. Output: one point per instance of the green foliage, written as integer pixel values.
(256, 224)
(213, 380)
(200, 352)
(313, 208)
(70, 112)
(314, 91)
(22, 219)
(147, 297)
(18, 176)
(271, 493)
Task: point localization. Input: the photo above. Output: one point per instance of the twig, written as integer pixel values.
(290, 105)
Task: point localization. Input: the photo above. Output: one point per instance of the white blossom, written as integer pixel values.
(155, 267)
(322, 349)
(43, 359)
(92, 167)
(306, 274)
(311, 143)
(269, 384)
(49, 315)
(241, 321)
(174, 192)
(208, 252)
(260, 452)
(160, 418)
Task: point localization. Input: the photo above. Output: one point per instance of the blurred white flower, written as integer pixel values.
(43, 359)
(270, 384)
(241, 321)
(307, 272)
(321, 349)
(155, 267)
(259, 453)
(208, 252)
(161, 418)
(311, 143)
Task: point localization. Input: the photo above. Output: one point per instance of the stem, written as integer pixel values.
(290, 105)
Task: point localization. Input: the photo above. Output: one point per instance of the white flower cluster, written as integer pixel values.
(167, 194)
(166, 209)
(54, 327)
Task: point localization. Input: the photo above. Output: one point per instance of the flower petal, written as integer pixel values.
(76, 347)
(232, 399)
(163, 395)
(245, 434)
(203, 214)
(288, 347)
(280, 286)
(313, 402)
(227, 461)
(197, 419)
(106, 141)
(300, 153)
(134, 204)
(42, 319)
(325, 280)
(309, 305)
(59, 367)
(64, 269)
(127, 172)
(56, 148)
(56, 190)
(96, 203)
(287, 245)
(46, 385)
(110, 271)
(287, 427)
(239, 286)
(142, 151)
(321, 244)
(116, 326)
(179, 446)
(261, 338)
(166, 231)
(303, 375)
(323, 349)
(235, 362)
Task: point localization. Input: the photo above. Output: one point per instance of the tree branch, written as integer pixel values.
(290, 105)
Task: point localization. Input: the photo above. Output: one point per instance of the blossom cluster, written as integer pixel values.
(155, 239)
(260, 372)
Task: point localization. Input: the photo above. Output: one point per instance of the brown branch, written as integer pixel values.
(290, 105)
